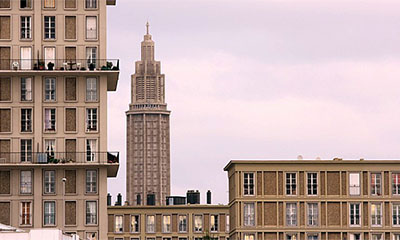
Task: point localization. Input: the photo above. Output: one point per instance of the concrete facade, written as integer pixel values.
(54, 161)
(148, 136)
(314, 199)
(180, 222)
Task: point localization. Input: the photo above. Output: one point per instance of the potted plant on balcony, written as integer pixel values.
(91, 66)
(41, 65)
(50, 66)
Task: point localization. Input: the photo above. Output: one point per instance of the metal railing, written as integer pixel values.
(60, 64)
(59, 157)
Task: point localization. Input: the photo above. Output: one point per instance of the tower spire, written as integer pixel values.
(147, 28)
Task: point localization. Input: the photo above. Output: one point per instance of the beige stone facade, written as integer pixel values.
(148, 138)
(314, 199)
(54, 79)
(179, 222)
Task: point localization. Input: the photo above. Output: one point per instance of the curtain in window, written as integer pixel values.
(49, 56)
(49, 3)
(26, 181)
(26, 58)
(91, 213)
(91, 148)
(91, 27)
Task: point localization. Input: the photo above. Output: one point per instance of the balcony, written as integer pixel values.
(64, 67)
(110, 159)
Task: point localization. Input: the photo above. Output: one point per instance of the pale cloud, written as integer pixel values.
(269, 80)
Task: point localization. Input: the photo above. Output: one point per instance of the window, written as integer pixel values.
(50, 147)
(26, 89)
(26, 150)
(248, 184)
(49, 3)
(26, 182)
(50, 89)
(376, 214)
(354, 184)
(50, 27)
(91, 236)
(291, 214)
(26, 58)
(396, 214)
(396, 183)
(91, 4)
(248, 236)
(50, 119)
(198, 223)
(26, 27)
(91, 181)
(290, 183)
(312, 184)
(214, 223)
(227, 228)
(25, 4)
(49, 213)
(396, 237)
(376, 181)
(119, 223)
(312, 216)
(91, 146)
(26, 213)
(291, 236)
(135, 223)
(91, 89)
(49, 56)
(91, 119)
(91, 212)
(249, 214)
(91, 27)
(150, 225)
(312, 236)
(5, 23)
(91, 56)
(377, 236)
(182, 223)
(166, 224)
(70, 27)
(26, 120)
(49, 182)
(355, 214)
(355, 236)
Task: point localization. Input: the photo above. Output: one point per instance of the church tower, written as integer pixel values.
(148, 138)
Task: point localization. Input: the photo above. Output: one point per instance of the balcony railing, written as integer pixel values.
(59, 157)
(60, 64)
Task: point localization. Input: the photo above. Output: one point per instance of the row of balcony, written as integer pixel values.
(58, 157)
(60, 64)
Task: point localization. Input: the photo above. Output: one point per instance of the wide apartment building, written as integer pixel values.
(174, 222)
(314, 199)
(54, 79)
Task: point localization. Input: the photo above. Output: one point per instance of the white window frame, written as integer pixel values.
(91, 150)
(26, 182)
(227, 223)
(182, 223)
(291, 214)
(352, 236)
(25, 58)
(50, 143)
(91, 56)
(354, 188)
(396, 236)
(91, 89)
(49, 55)
(26, 150)
(312, 184)
(354, 213)
(248, 184)
(50, 89)
(396, 183)
(50, 119)
(91, 4)
(25, 217)
(291, 183)
(119, 223)
(376, 214)
(249, 236)
(26, 27)
(376, 184)
(26, 89)
(396, 214)
(48, 214)
(26, 120)
(49, 28)
(249, 214)
(135, 222)
(196, 225)
(91, 181)
(91, 217)
(49, 182)
(166, 223)
(150, 227)
(92, 119)
(382, 237)
(312, 236)
(214, 227)
(312, 214)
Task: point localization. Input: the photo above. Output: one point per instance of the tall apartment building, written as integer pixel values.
(54, 79)
(314, 199)
(174, 222)
(148, 144)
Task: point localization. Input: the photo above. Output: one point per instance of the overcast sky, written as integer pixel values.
(265, 79)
